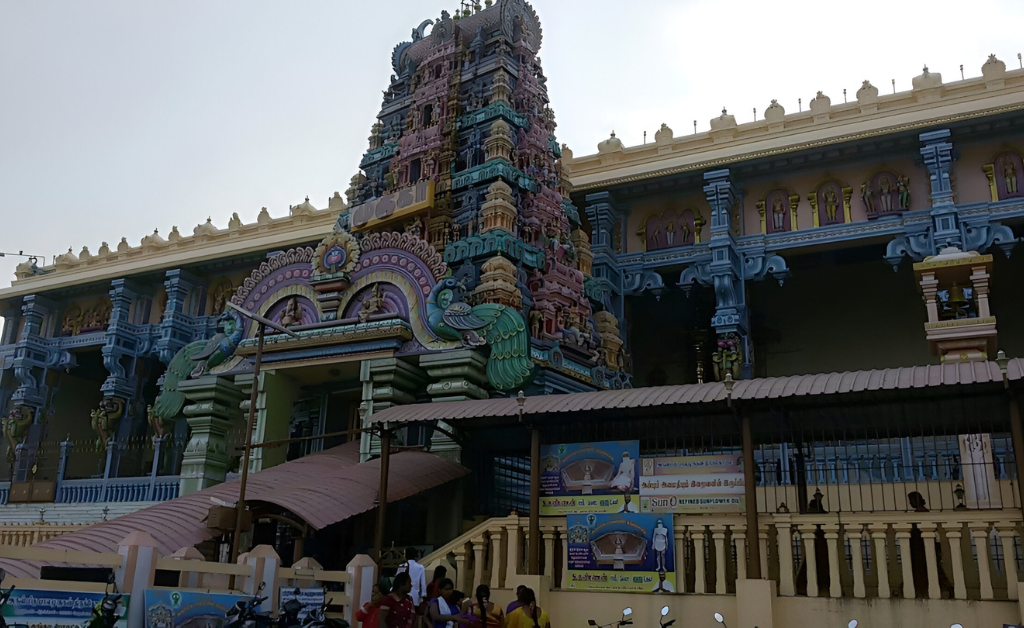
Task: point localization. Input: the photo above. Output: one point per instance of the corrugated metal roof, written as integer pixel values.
(322, 488)
(905, 378)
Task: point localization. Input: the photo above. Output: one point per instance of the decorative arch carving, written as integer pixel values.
(285, 273)
(1005, 175)
(277, 307)
(409, 243)
(778, 210)
(830, 203)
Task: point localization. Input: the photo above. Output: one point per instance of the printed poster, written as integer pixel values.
(311, 599)
(56, 609)
(692, 484)
(590, 478)
(621, 552)
(166, 608)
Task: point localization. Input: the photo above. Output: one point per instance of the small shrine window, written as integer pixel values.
(415, 170)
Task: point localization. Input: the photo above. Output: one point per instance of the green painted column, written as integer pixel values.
(386, 382)
(212, 412)
(456, 375)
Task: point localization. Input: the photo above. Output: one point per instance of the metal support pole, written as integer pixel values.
(240, 506)
(750, 493)
(534, 562)
(1017, 436)
(382, 494)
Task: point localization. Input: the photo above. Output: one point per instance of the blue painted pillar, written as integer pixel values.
(121, 342)
(731, 319)
(176, 326)
(937, 151)
(31, 354)
(607, 219)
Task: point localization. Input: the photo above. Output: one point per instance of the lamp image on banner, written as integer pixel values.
(590, 478)
(692, 484)
(621, 552)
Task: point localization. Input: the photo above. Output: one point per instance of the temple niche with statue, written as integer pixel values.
(832, 274)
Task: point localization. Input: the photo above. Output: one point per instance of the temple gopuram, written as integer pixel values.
(756, 365)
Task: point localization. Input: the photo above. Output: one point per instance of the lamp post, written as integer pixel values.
(1016, 430)
(240, 505)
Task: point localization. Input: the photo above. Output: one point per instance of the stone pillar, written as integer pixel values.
(211, 412)
(1006, 532)
(740, 540)
(137, 571)
(478, 562)
(787, 584)
(980, 534)
(680, 542)
(549, 553)
(362, 573)
(903, 538)
(263, 564)
(512, 562)
(28, 367)
(929, 533)
(854, 532)
(954, 531)
(495, 534)
(176, 325)
(721, 558)
(878, 535)
(835, 585)
(807, 533)
(700, 584)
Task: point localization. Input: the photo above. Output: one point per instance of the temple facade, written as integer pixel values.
(845, 274)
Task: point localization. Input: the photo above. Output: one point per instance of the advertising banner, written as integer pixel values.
(692, 484)
(621, 552)
(56, 609)
(166, 608)
(311, 599)
(590, 478)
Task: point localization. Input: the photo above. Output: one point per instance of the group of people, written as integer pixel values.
(413, 603)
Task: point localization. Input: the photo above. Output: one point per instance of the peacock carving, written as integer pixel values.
(498, 326)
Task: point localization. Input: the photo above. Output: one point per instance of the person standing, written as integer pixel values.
(529, 615)
(434, 587)
(442, 611)
(396, 608)
(516, 603)
(418, 575)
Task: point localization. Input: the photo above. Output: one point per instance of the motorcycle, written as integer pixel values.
(289, 617)
(4, 596)
(244, 614)
(104, 614)
(318, 619)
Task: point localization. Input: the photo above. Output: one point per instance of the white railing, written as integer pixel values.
(968, 554)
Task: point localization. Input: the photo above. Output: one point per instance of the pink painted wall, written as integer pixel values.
(970, 182)
(642, 209)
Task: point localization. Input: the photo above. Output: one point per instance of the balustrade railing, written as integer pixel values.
(963, 554)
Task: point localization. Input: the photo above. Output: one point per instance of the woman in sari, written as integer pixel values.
(396, 608)
(529, 615)
(487, 613)
(442, 611)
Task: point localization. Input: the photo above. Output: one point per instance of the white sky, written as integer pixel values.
(121, 116)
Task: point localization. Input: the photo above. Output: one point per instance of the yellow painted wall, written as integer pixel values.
(273, 414)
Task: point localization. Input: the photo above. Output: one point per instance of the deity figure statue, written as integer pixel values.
(831, 203)
(15, 428)
(292, 314)
(536, 321)
(903, 189)
(885, 194)
(221, 294)
(1010, 175)
(415, 227)
(778, 214)
(372, 304)
(729, 357)
(106, 418)
(72, 322)
(865, 195)
(670, 233)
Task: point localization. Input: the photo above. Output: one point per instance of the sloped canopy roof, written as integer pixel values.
(322, 488)
(770, 388)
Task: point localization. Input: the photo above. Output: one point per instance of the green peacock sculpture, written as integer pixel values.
(499, 326)
(194, 360)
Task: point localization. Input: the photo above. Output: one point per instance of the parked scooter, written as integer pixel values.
(289, 616)
(244, 614)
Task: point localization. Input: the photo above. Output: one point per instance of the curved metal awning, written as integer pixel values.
(322, 488)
